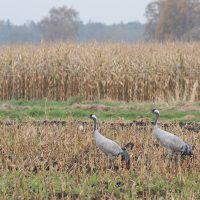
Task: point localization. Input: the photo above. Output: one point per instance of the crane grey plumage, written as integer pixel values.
(172, 142)
(109, 147)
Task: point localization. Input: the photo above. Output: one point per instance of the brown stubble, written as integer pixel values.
(33, 148)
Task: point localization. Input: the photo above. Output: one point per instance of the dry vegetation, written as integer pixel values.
(139, 72)
(43, 161)
(55, 161)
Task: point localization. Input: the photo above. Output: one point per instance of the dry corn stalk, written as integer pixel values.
(128, 72)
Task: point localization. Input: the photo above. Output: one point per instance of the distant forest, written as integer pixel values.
(167, 20)
(31, 32)
(130, 32)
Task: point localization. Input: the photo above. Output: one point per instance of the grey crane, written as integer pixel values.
(173, 143)
(109, 147)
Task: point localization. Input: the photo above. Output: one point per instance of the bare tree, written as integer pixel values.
(171, 19)
(152, 15)
(61, 24)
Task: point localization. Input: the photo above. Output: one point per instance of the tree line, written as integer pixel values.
(64, 24)
(167, 20)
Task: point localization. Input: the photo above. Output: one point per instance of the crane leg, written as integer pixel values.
(112, 163)
(171, 153)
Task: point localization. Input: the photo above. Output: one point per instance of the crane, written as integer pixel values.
(109, 147)
(173, 143)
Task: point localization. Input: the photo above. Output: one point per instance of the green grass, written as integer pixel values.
(53, 110)
(48, 185)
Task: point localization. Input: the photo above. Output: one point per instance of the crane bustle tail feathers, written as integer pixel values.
(125, 157)
(187, 150)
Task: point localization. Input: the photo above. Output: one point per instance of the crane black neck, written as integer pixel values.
(156, 119)
(94, 124)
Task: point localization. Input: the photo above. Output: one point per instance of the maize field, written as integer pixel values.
(126, 72)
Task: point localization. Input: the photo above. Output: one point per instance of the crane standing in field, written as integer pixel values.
(172, 142)
(109, 147)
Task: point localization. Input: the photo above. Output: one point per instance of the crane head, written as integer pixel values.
(92, 116)
(156, 111)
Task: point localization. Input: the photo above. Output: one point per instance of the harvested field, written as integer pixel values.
(190, 126)
(59, 160)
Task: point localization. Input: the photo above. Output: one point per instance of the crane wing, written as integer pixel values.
(169, 140)
(108, 146)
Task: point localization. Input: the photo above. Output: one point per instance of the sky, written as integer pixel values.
(105, 11)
